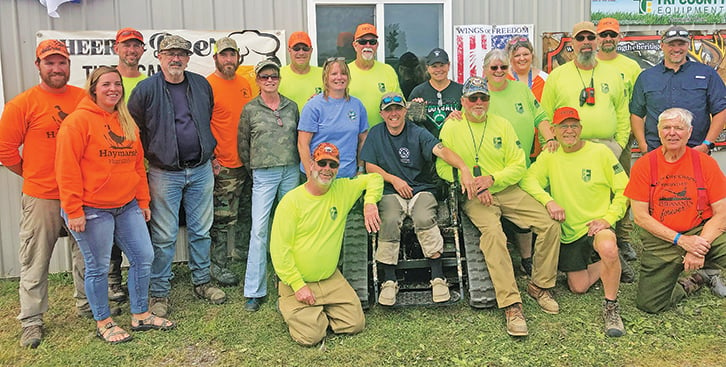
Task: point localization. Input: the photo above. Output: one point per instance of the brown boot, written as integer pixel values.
(516, 324)
(544, 298)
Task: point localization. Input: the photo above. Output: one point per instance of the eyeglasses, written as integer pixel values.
(272, 77)
(172, 55)
(387, 100)
(606, 34)
(327, 162)
(580, 38)
(300, 47)
(672, 33)
(276, 113)
(331, 60)
(497, 67)
(364, 42)
(475, 97)
(568, 126)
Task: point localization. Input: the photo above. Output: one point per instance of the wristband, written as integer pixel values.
(709, 144)
(481, 191)
(676, 238)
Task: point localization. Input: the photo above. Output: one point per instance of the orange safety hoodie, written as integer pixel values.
(95, 166)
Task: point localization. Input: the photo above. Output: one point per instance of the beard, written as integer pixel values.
(586, 58)
(52, 81)
(321, 181)
(608, 47)
(228, 69)
(368, 54)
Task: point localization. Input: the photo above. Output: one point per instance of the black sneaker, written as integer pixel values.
(253, 304)
(116, 293)
(627, 250)
(527, 265)
(627, 273)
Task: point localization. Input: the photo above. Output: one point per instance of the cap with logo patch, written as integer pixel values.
(326, 151)
(437, 55)
(51, 47)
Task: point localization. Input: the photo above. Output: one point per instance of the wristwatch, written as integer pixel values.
(709, 144)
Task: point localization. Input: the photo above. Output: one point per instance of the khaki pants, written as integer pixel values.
(40, 226)
(336, 305)
(525, 212)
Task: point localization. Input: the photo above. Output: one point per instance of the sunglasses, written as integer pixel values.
(327, 162)
(397, 99)
(364, 42)
(299, 47)
(475, 97)
(580, 38)
(276, 113)
(606, 34)
(519, 39)
(272, 77)
(681, 33)
(497, 67)
(331, 60)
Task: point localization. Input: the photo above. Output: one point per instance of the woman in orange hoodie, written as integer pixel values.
(105, 199)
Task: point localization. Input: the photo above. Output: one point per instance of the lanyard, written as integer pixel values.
(529, 78)
(473, 140)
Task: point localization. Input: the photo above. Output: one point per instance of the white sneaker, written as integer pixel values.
(389, 290)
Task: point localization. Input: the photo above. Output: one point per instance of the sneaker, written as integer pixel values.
(544, 298)
(210, 293)
(627, 250)
(253, 304)
(85, 312)
(31, 337)
(223, 276)
(440, 290)
(527, 266)
(627, 273)
(692, 283)
(516, 324)
(714, 281)
(613, 323)
(159, 306)
(116, 293)
(389, 290)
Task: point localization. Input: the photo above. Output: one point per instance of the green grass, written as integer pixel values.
(691, 335)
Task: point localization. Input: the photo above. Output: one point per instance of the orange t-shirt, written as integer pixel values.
(96, 166)
(230, 97)
(675, 196)
(32, 120)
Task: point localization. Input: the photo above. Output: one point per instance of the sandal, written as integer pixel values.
(106, 334)
(148, 324)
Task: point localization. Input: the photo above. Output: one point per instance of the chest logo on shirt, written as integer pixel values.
(245, 93)
(586, 175)
(405, 155)
(497, 141)
(673, 196)
(604, 87)
(116, 141)
(57, 119)
(352, 115)
(381, 87)
(333, 213)
(519, 107)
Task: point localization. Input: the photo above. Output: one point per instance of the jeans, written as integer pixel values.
(126, 227)
(267, 184)
(191, 187)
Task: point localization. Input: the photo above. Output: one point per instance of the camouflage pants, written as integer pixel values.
(232, 206)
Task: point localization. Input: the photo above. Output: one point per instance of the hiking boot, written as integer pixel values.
(116, 293)
(86, 312)
(527, 266)
(692, 283)
(211, 293)
(440, 290)
(627, 273)
(389, 290)
(159, 306)
(516, 324)
(714, 281)
(31, 337)
(613, 323)
(223, 276)
(253, 304)
(544, 298)
(627, 250)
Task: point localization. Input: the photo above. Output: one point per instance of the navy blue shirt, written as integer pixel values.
(408, 155)
(187, 139)
(695, 86)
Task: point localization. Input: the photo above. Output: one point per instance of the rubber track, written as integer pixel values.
(354, 256)
(481, 289)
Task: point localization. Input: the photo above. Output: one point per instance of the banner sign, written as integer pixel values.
(91, 49)
(473, 42)
(666, 12)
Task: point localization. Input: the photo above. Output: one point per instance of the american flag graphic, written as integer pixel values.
(472, 43)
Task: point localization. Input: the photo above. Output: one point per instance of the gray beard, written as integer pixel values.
(586, 59)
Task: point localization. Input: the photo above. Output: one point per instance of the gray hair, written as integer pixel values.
(496, 54)
(681, 114)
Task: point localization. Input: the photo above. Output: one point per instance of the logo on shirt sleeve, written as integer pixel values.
(333, 213)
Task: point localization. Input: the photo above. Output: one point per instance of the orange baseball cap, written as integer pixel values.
(608, 24)
(364, 29)
(564, 113)
(126, 34)
(326, 151)
(51, 47)
(299, 37)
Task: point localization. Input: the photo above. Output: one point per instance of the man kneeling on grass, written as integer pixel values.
(307, 235)
(586, 185)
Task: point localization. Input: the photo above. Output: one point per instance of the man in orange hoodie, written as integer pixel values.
(32, 120)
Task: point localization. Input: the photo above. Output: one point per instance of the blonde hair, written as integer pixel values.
(326, 75)
(128, 125)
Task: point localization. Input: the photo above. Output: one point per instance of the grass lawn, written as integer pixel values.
(694, 334)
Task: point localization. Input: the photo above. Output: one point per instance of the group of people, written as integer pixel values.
(130, 153)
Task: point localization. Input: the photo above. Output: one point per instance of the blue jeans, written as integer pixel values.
(191, 187)
(126, 227)
(267, 184)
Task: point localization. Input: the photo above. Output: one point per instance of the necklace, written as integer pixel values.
(477, 169)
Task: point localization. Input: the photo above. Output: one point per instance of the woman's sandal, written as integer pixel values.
(148, 324)
(106, 334)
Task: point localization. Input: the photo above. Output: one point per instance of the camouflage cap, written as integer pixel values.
(172, 41)
(225, 43)
(265, 64)
(393, 98)
(475, 85)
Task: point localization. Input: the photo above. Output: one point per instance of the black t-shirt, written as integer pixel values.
(437, 109)
(187, 137)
